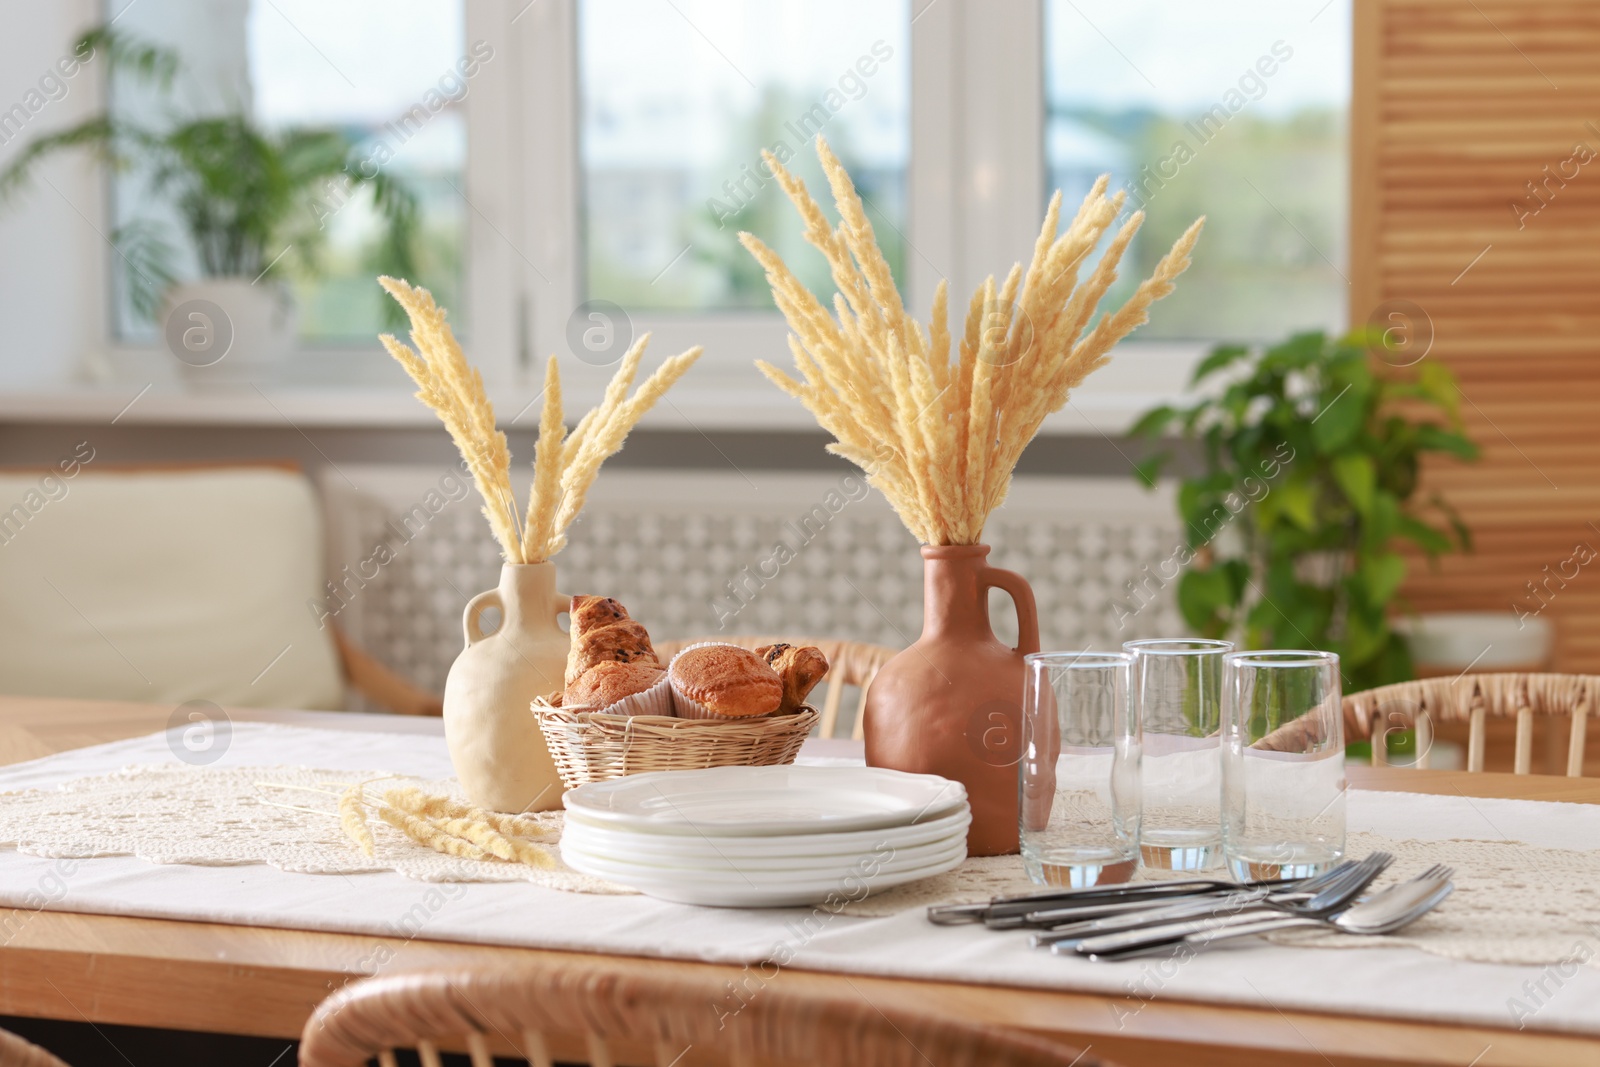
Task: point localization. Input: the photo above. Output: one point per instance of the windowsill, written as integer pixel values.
(716, 396)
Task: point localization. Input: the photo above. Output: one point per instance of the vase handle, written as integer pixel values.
(1021, 593)
(472, 618)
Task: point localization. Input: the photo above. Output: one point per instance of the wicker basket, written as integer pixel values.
(592, 746)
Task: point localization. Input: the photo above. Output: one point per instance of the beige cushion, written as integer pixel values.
(164, 586)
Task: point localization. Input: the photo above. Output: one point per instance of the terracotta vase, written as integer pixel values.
(951, 704)
(495, 743)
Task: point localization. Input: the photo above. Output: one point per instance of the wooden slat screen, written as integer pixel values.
(1458, 106)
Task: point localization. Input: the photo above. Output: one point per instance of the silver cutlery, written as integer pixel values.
(999, 909)
(1018, 912)
(1321, 895)
(1381, 913)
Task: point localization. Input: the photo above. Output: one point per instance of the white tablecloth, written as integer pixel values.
(1398, 982)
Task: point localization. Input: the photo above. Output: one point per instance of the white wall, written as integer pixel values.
(49, 237)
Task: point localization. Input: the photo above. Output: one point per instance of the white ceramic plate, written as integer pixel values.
(833, 872)
(608, 851)
(595, 834)
(758, 893)
(766, 801)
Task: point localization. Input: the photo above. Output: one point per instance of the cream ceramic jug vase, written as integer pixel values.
(495, 743)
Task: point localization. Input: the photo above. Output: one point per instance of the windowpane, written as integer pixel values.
(1235, 110)
(384, 78)
(678, 101)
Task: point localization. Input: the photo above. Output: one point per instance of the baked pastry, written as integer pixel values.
(602, 632)
(799, 668)
(590, 612)
(721, 681)
(606, 684)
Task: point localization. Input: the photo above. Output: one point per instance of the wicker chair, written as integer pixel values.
(1473, 698)
(15, 1052)
(849, 663)
(609, 1013)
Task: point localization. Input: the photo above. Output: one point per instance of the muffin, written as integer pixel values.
(723, 682)
(606, 683)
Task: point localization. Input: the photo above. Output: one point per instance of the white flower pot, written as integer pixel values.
(227, 331)
(1482, 641)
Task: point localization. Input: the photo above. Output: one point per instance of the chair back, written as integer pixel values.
(1475, 699)
(15, 1052)
(608, 1012)
(164, 585)
(850, 663)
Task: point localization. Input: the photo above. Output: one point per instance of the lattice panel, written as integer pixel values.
(858, 576)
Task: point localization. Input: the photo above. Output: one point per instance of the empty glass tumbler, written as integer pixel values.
(1283, 802)
(1079, 774)
(1177, 691)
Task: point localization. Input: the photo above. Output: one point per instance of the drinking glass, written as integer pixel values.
(1177, 689)
(1079, 773)
(1282, 764)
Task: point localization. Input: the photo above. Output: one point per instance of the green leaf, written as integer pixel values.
(1237, 571)
(1296, 499)
(1203, 597)
(1364, 637)
(1432, 438)
(1381, 577)
(1342, 416)
(1357, 477)
(1351, 368)
(1148, 470)
(1301, 350)
(1219, 357)
(1428, 538)
(148, 260)
(1153, 422)
(153, 63)
(1382, 520)
(1439, 385)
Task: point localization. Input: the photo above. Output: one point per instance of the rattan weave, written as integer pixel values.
(593, 746)
(15, 1052)
(632, 1012)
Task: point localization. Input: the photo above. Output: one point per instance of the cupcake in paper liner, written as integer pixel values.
(636, 688)
(720, 681)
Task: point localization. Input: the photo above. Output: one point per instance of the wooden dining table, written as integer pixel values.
(220, 978)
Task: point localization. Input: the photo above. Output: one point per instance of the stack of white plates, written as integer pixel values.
(750, 837)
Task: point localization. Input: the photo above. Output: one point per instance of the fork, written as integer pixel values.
(1057, 917)
(1380, 913)
(1020, 914)
(1323, 895)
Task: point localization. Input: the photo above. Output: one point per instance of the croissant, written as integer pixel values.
(602, 632)
(800, 669)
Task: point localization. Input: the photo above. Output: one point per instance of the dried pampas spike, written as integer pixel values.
(565, 465)
(939, 432)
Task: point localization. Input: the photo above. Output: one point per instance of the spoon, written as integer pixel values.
(1381, 913)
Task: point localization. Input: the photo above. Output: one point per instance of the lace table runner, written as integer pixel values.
(1514, 903)
(213, 817)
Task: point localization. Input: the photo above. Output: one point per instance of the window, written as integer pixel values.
(608, 152)
(678, 101)
(1233, 110)
(382, 78)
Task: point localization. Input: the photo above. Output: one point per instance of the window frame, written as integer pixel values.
(975, 189)
(969, 61)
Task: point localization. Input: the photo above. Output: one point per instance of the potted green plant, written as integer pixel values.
(252, 204)
(1309, 453)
